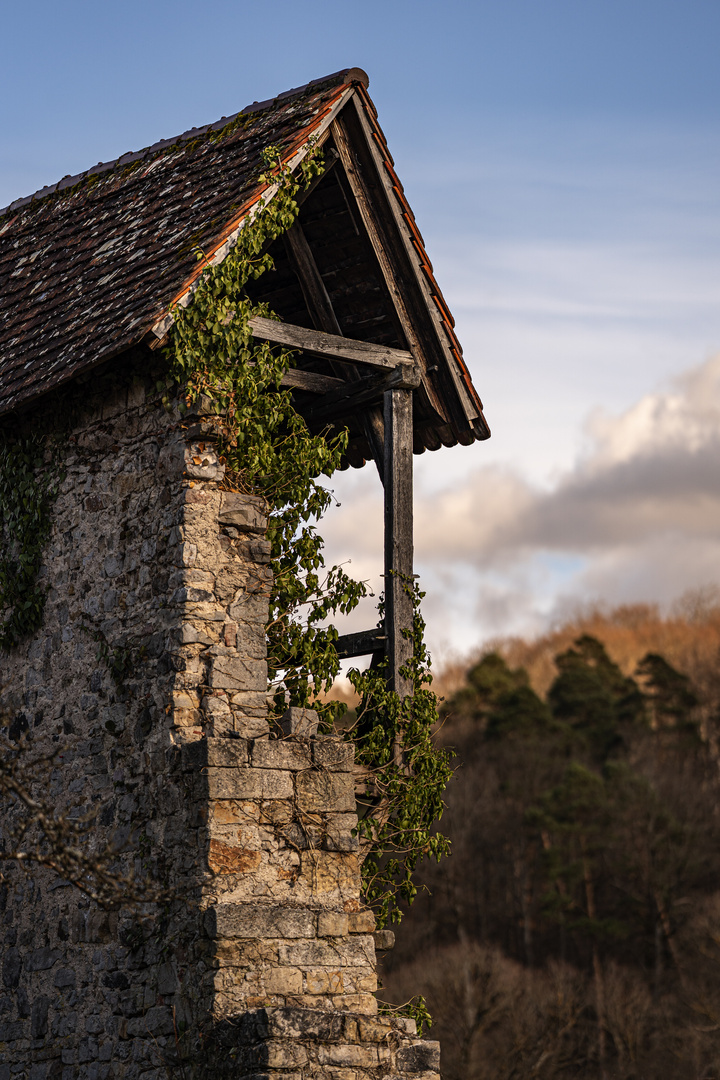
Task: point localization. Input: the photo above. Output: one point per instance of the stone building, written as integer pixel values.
(148, 671)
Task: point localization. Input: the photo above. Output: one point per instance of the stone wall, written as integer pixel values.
(149, 678)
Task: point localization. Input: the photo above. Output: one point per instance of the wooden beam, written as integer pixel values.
(368, 215)
(312, 381)
(313, 287)
(425, 315)
(398, 534)
(323, 316)
(354, 395)
(297, 379)
(330, 346)
(361, 644)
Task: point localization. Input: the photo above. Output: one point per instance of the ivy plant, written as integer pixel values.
(404, 774)
(268, 450)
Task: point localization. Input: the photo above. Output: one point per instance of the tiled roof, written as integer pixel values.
(471, 403)
(91, 265)
(88, 266)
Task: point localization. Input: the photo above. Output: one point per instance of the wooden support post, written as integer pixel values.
(398, 534)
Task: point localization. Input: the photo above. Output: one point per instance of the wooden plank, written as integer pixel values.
(464, 408)
(353, 395)
(311, 282)
(331, 159)
(323, 316)
(361, 644)
(360, 202)
(297, 379)
(374, 232)
(400, 266)
(331, 346)
(398, 534)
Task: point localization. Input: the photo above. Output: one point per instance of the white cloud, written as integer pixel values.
(687, 419)
(636, 517)
(581, 278)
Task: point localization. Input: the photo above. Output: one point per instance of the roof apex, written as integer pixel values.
(93, 265)
(346, 76)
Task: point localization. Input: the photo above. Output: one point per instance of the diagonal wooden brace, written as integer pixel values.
(351, 397)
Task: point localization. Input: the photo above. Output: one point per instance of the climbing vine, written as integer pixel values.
(267, 450)
(27, 493)
(265, 444)
(404, 775)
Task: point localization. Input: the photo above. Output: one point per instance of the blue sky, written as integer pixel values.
(82, 75)
(563, 162)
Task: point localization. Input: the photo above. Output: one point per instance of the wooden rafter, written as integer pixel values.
(356, 395)
(330, 158)
(297, 379)
(376, 234)
(330, 346)
(311, 283)
(407, 259)
(321, 311)
(361, 644)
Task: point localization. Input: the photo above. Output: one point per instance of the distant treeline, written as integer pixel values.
(575, 929)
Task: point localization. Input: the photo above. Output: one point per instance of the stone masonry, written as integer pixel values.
(149, 678)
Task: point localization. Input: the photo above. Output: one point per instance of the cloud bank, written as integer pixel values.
(636, 517)
(648, 473)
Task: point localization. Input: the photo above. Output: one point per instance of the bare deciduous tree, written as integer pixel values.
(36, 831)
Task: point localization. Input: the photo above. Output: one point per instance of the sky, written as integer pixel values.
(562, 160)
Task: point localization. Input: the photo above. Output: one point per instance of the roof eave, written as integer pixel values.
(471, 423)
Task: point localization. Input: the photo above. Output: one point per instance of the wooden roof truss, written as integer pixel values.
(399, 359)
(352, 284)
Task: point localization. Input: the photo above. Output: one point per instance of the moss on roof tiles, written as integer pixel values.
(62, 310)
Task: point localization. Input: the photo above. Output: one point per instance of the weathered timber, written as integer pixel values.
(297, 379)
(367, 179)
(331, 346)
(368, 389)
(423, 305)
(376, 234)
(398, 535)
(313, 287)
(312, 381)
(361, 644)
(323, 316)
(331, 158)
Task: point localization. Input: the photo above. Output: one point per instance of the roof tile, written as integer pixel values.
(89, 264)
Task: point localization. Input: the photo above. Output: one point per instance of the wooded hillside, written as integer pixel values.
(575, 929)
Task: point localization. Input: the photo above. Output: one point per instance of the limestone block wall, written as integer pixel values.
(290, 947)
(149, 677)
(284, 915)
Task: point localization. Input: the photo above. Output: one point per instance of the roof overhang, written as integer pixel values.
(387, 263)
